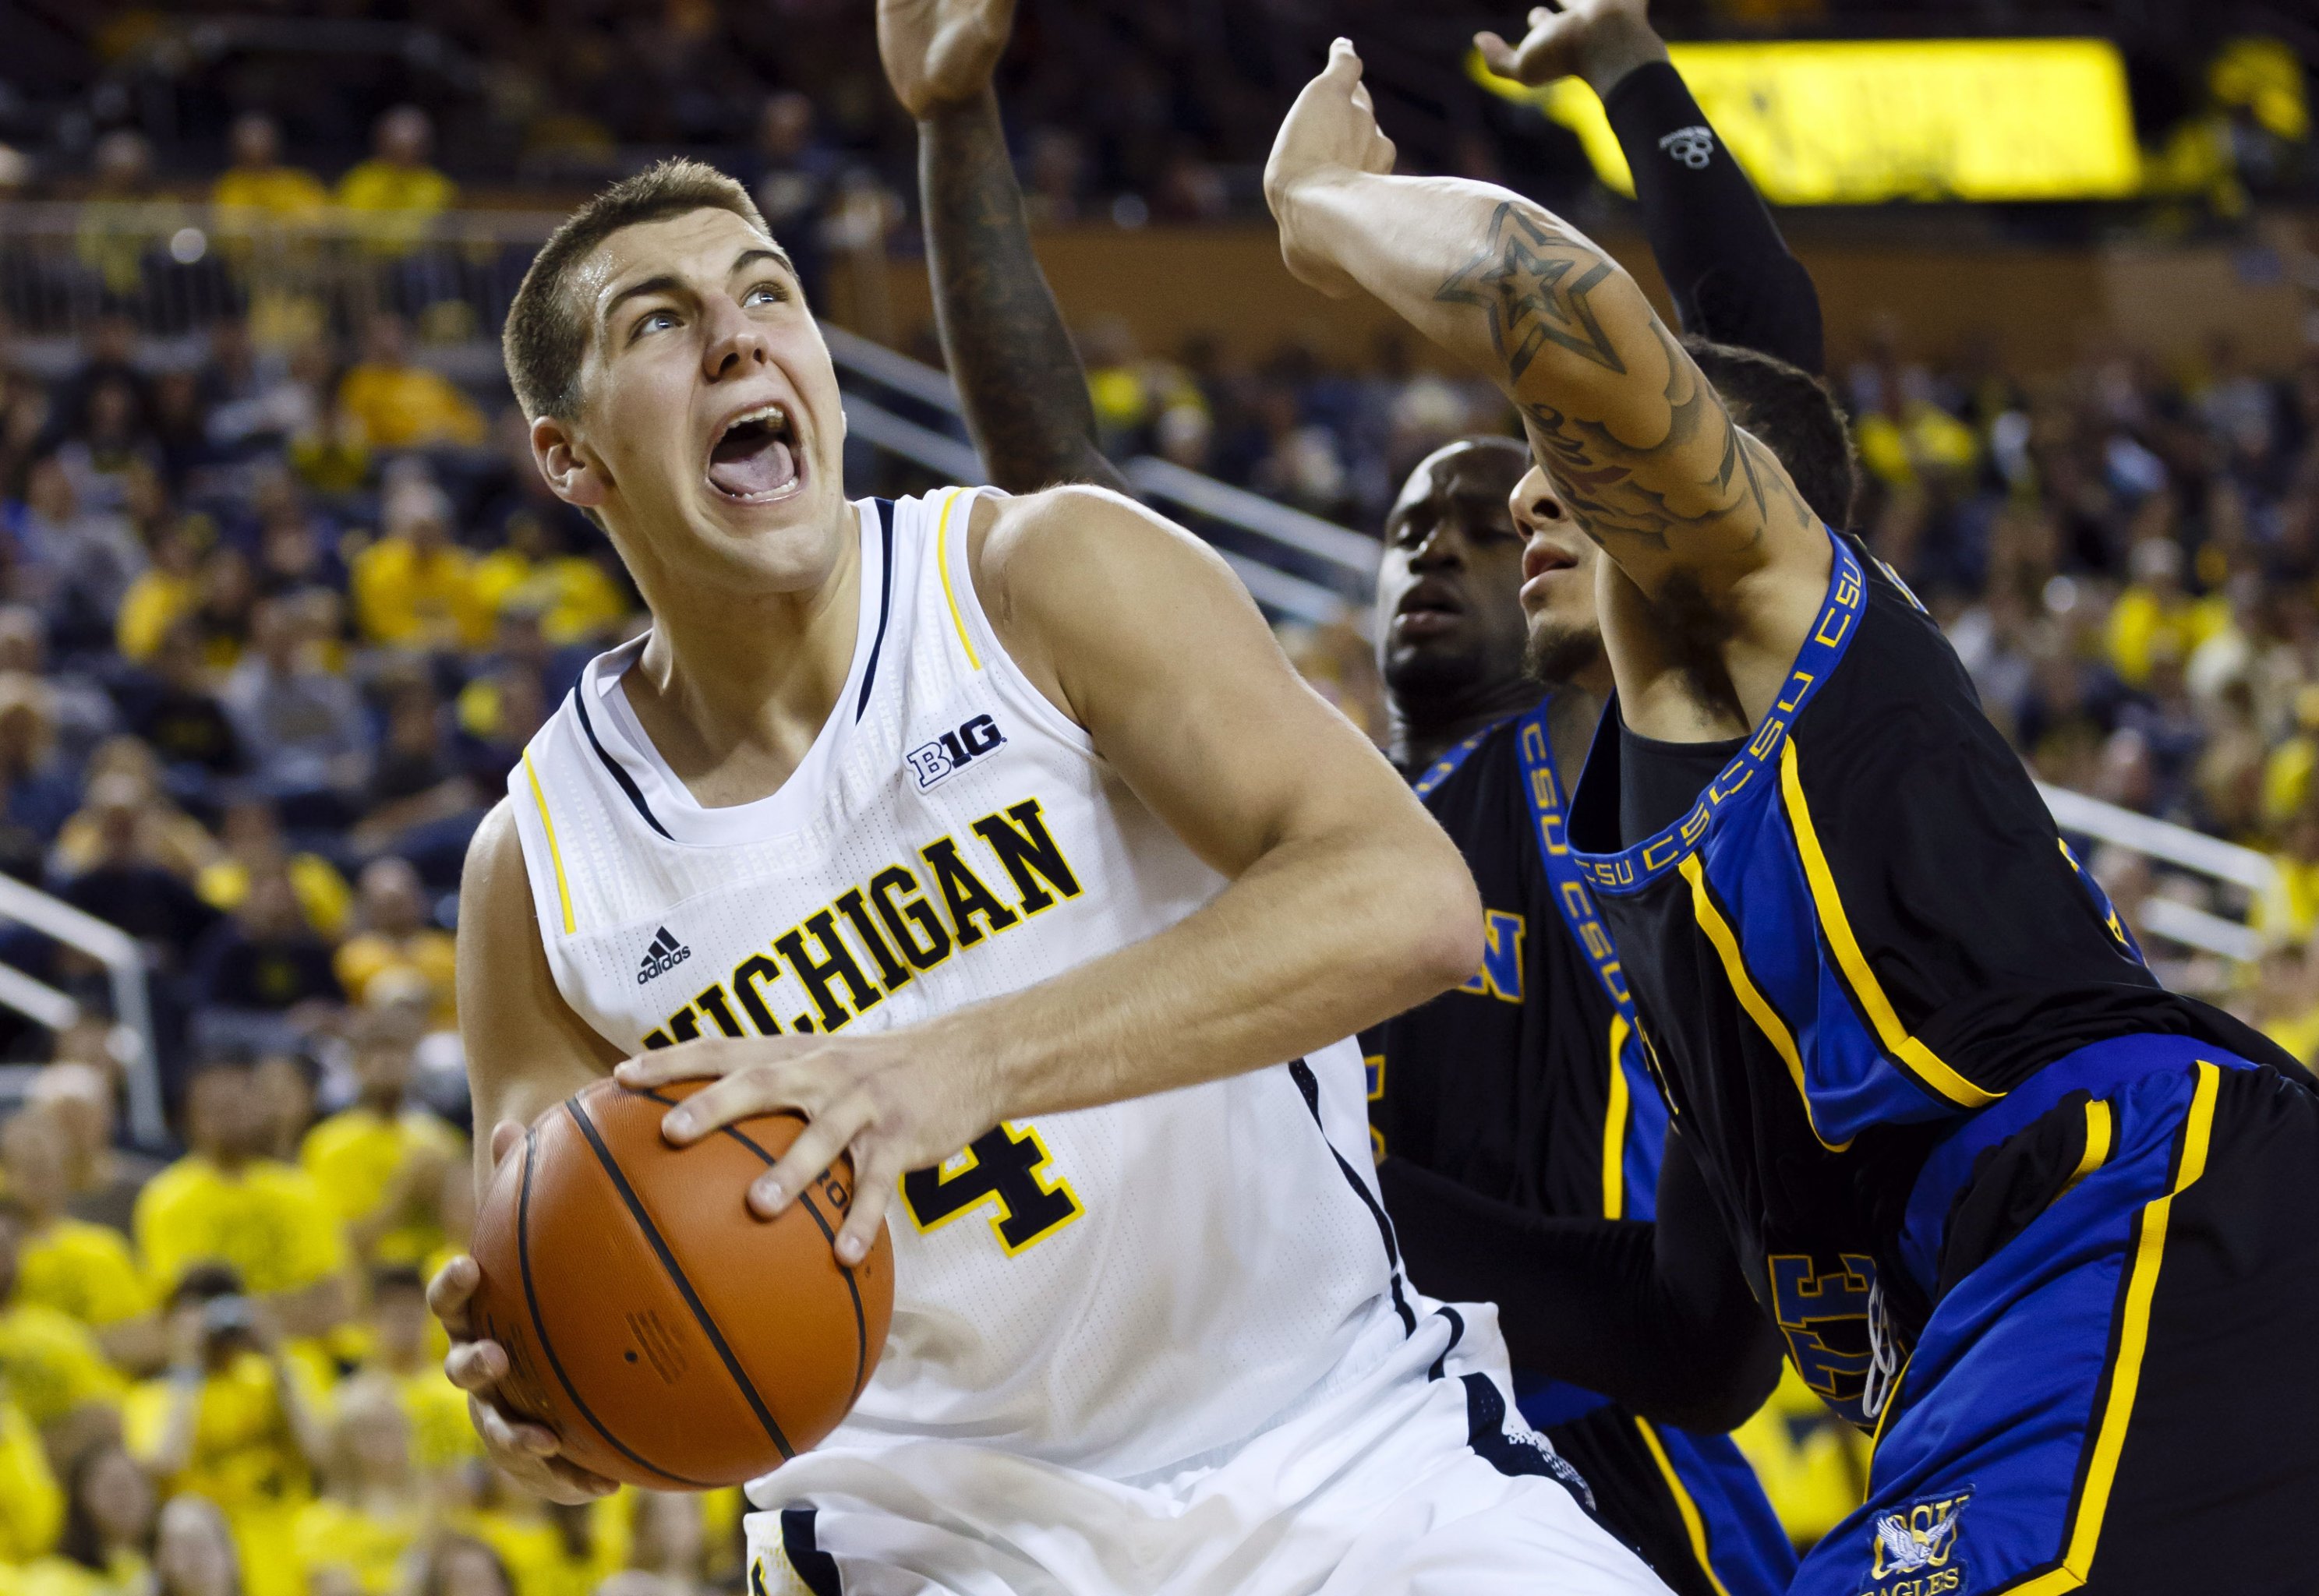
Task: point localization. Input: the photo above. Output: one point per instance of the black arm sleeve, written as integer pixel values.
(1656, 1316)
(1729, 270)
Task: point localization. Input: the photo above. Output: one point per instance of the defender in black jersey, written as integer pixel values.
(1524, 1104)
(2046, 1228)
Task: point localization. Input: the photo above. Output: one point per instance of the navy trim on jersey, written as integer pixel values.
(628, 783)
(1486, 1433)
(1630, 869)
(884, 603)
(815, 1566)
(1302, 1074)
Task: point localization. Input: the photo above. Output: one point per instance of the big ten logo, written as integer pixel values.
(936, 761)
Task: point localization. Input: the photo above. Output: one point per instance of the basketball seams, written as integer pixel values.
(853, 1287)
(539, 1324)
(676, 1275)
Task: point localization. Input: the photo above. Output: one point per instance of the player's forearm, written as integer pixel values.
(1318, 939)
(1025, 389)
(1646, 458)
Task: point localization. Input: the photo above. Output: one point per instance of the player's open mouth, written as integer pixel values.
(754, 460)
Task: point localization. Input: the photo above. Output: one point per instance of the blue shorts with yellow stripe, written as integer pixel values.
(2115, 1390)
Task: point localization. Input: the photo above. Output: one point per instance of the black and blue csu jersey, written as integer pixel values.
(1865, 928)
(1525, 1083)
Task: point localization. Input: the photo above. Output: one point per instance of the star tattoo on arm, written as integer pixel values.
(1532, 282)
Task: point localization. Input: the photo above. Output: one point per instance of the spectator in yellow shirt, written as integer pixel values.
(250, 835)
(224, 1203)
(398, 403)
(258, 189)
(395, 937)
(108, 1524)
(83, 1270)
(406, 1351)
(2153, 613)
(396, 194)
(380, 1162)
(414, 588)
(31, 1507)
(356, 1534)
(238, 1420)
(54, 1370)
(573, 598)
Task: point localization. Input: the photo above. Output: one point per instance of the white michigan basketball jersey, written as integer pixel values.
(1115, 1290)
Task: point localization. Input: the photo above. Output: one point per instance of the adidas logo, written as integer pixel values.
(664, 954)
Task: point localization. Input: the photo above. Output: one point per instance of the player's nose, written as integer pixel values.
(736, 344)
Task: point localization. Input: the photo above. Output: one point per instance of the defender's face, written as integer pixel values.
(1557, 579)
(1448, 618)
(709, 409)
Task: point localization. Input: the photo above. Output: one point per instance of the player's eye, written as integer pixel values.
(764, 293)
(651, 322)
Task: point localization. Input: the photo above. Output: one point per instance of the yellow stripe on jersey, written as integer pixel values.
(1693, 1526)
(2133, 1342)
(2098, 1143)
(1912, 1055)
(563, 890)
(941, 557)
(1614, 1127)
(1743, 986)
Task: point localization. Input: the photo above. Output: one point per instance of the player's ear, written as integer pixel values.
(571, 470)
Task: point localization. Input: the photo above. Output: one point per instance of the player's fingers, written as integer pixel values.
(1497, 55)
(507, 1434)
(579, 1479)
(873, 1189)
(448, 1295)
(1344, 61)
(703, 1058)
(476, 1366)
(825, 1135)
(760, 1089)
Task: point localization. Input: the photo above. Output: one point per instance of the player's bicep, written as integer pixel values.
(526, 1047)
(1155, 647)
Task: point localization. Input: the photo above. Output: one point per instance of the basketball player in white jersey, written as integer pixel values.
(995, 835)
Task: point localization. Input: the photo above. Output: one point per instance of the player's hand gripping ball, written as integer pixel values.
(669, 1337)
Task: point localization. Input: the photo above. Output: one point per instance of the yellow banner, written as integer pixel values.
(1849, 124)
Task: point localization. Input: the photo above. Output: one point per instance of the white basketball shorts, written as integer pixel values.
(1413, 1478)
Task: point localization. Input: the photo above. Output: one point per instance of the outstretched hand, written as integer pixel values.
(940, 53)
(1600, 40)
(1329, 132)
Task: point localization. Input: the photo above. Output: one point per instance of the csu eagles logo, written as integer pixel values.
(1693, 147)
(1921, 1540)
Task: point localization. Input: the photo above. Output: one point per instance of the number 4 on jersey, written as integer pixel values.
(1006, 1166)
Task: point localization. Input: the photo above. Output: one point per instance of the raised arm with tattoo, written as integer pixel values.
(1693, 510)
(1026, 396)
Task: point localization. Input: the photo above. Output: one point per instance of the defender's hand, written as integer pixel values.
(894, 1101)
(1329, 132)
(528, 1451)
(940, 53)
(1600, 40)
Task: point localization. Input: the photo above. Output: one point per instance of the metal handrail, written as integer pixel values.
(1265, 519)
(123, 958)
(2184, 849)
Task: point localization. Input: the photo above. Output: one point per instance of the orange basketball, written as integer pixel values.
(667, 1334)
